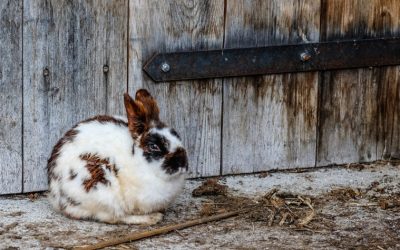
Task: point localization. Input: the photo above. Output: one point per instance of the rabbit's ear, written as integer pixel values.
(149, 103)
(137, 114)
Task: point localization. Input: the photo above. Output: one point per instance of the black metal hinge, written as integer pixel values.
(274, 59)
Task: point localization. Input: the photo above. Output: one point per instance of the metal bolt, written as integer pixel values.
(106, 68)
(46, 72)
(305, 56)
(165, 67)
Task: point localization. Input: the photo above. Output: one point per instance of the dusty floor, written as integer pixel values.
(355, 207)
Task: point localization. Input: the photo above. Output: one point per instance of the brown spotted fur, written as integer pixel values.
(96, 167)
(70, 135)
(106, 119)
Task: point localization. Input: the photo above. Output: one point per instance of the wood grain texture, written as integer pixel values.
(389, 89)
(10, 96)
(357, 107)
(193, 108)
(73, 40)
(389, 113)
(269, 122)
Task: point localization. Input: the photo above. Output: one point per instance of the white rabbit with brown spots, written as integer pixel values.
(118, 170)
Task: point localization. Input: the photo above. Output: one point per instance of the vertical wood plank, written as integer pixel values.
(193, 108)
(389, 113)
(270, 121)
(357, 107)
(10, 96)
(66, 45)
(387, 18)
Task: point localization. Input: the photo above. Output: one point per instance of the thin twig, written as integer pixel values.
(214, 203)
(288, 208)
(310, 216)
(272, 217)
(307, 219)
(158, 231)
(307, 202)
(364, 205)
(308, 230)
(180, 234)
(283, 220)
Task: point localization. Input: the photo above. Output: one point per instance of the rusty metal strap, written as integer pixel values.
(274, 59)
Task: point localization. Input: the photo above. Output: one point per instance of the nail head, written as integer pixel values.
(165, 67)
(46, 72)
(305, 56)
(106, 68)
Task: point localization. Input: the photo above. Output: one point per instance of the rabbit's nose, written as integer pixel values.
(175, 161)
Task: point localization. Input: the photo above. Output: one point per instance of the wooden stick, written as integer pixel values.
(363, 205)
(162, 230)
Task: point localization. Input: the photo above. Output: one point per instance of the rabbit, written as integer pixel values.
(117, 170)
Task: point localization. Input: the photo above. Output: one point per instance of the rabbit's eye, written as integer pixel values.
(154, 147)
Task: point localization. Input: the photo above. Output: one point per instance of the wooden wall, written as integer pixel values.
(10, 96)
(63, 61)
(67, 44)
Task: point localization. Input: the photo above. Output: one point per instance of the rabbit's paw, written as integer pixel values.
(148, 219)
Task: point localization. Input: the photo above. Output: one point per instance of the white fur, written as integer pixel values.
(139, 190)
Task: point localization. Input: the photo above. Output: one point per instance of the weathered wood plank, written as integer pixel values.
(192, 107)
(73, 40)
(389, 113)
(10, 96)
(270, 121)
(347, 117)
(350, 109)
(389, 88)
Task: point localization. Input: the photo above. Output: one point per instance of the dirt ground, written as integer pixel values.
(343, 207)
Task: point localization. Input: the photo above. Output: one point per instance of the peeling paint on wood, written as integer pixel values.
(72, 40)
(270, 121)
(192, 108)
(10, 96)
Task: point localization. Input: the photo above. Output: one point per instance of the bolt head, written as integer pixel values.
(46, 72)
(305, 56)
(106, 68)
(165, 67)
